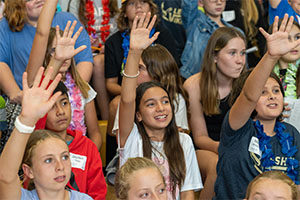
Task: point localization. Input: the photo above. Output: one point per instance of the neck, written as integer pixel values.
(224, 85)
(217, 20)
(32, 22)
(156, 135)
(269, 127)
(63, 134)
(53, 194)
(283, 64)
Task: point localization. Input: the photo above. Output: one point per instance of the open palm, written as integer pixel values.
(65, 44)
(278, 42)
(139, 36)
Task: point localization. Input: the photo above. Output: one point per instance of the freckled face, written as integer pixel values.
(51, 166)
(34, 8)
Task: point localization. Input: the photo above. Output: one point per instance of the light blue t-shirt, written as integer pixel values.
(74, 195)
(282, 8)
(15, 47)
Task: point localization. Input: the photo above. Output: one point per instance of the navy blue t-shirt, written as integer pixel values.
(237, 166)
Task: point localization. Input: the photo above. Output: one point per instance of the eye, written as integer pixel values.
(232, 53)
(65, 157)
(276, 91)
(48, 160)
(263, 92)
(144, 195)
(243, 53)
(297, 36)
(150, 104)
(64, 103)
(165, 101)
(162, 190)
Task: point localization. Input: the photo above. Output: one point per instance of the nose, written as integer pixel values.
(239, 59)
(59, 110)
(138, 3)
(271, 96)
(59, 165)
(160, 107)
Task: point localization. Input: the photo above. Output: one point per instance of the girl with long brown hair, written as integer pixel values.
(147, 124)
(224, 60)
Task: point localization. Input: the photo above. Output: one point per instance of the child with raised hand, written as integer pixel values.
(147, 124)
(253, 139)
(45, 155)
(47, 45)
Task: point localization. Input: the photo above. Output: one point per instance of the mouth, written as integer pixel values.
(60, 179)
(272, 105)
(219, 9)
(62, 121)
(294, 52)
(161, 117)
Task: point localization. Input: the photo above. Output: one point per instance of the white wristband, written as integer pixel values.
(22, 128)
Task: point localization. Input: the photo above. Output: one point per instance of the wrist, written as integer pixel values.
(22, 127)
(27, 120)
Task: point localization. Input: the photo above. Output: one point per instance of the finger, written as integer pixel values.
(24, 81)
(52, 100)
(79, 49)
(275, 25)
(154, 37)
(283, 23)
(147, 19)
(290, 24)
(263, 32)
(285, 116)
(38, 77)
(47, 78)
(58, 36)
(141, 20)
(76, 35)
(152, 22)
(134, 24)
(67, 29)
(54, 84)
(72, 29)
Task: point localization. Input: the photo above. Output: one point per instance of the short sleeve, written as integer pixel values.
(4, 42)
(91, 95)
(192, 178)
(181, 113)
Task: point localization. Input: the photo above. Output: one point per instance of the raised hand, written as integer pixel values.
(139, 35)
(278, 42)
(38, 99)
(65, 44)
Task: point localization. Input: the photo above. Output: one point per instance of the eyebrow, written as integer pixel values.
(152, 99)
(47, 155)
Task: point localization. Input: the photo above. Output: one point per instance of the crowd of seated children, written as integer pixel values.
(235, 118)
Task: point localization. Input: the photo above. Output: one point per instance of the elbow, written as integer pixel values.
(6, 178)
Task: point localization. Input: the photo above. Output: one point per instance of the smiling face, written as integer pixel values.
(34, 8)
(213, 8)
(155, 110)
(294, 54)
(231, 59)
(146, 184)
(295, 4)
(136, 8)
(270, 103)
(270, 189)
(59, 117)
(51, 166)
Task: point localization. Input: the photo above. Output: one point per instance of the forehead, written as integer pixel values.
(235, 43)
(154, 93)
(271, 82)
(146, 177)
(49, 146)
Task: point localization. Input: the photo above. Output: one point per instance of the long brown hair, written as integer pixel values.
(122, 21)
(80, 83)
(113, 9)
(15, 14)
(208, 77)
(250, 18)
(163, 68)
(34, 140)
(171, 140)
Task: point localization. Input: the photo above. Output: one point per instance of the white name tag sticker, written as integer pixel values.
(254, 146)
(228, 15)
(78, 161)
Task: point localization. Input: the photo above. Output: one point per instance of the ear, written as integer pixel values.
(200, 3)
(27, 171)
(138, 116)
(215, 59)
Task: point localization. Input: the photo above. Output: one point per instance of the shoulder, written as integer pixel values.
(185, 140)
(192, 84)
(75, 195)
(65, 16)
